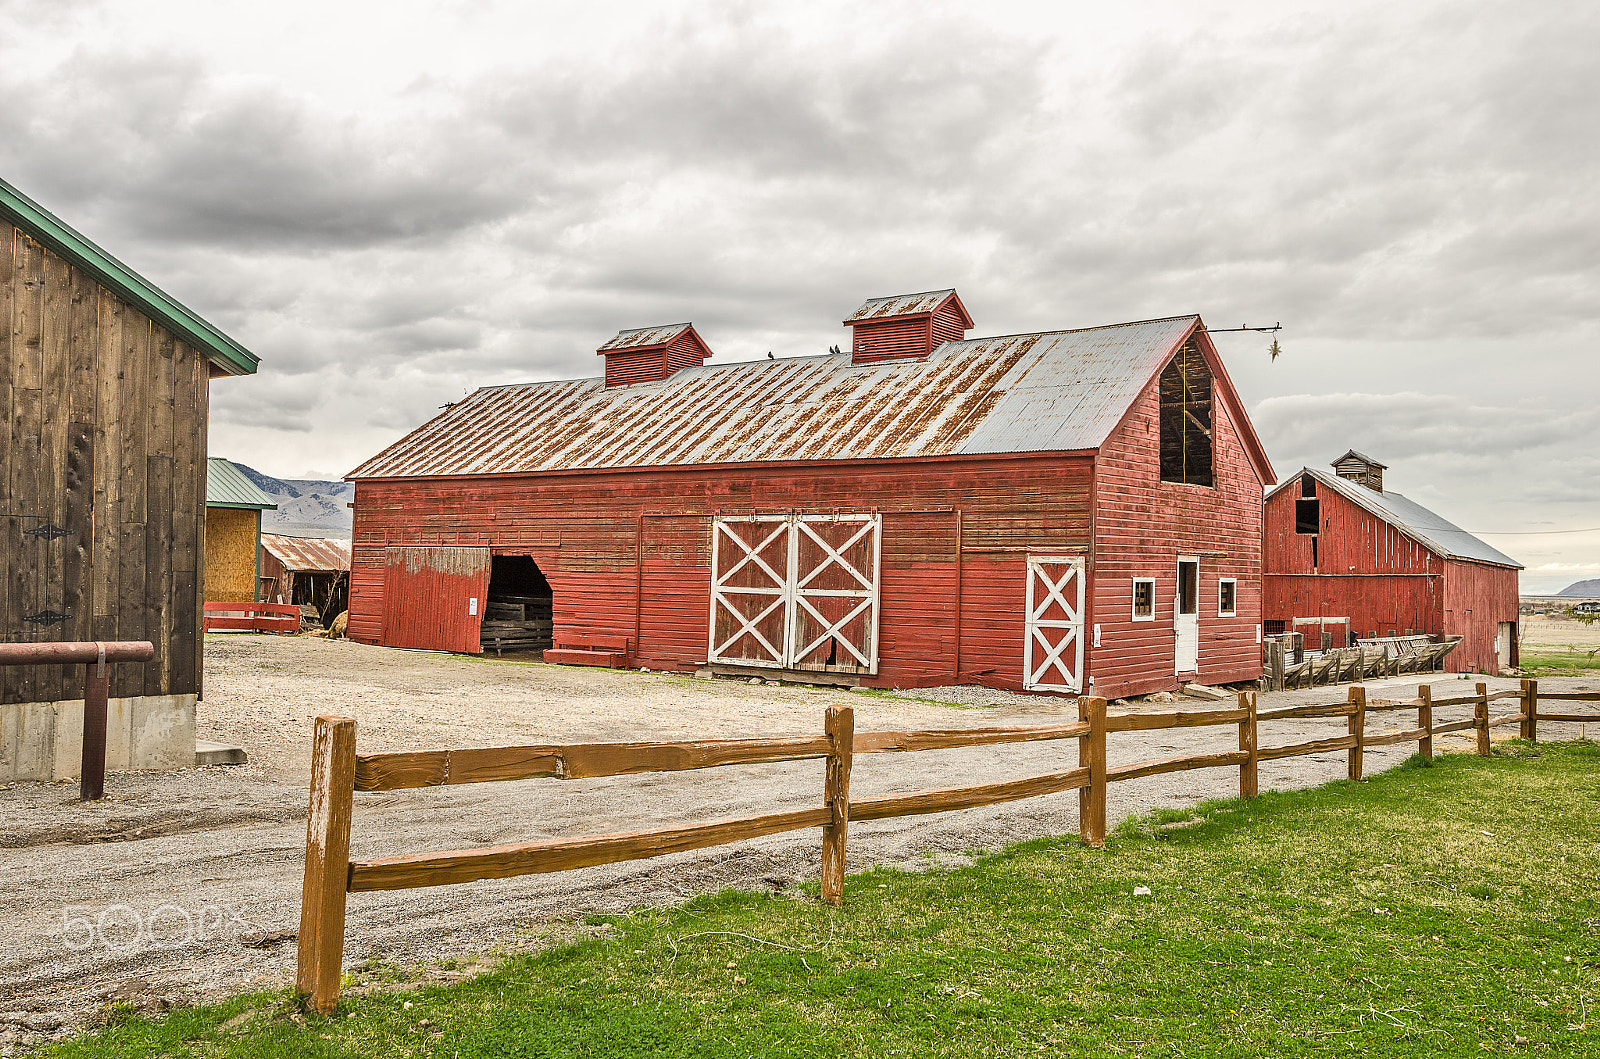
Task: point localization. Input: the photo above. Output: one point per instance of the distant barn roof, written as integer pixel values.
(308, 553)
(1054, 391)
(1437, 534)
(227, 486)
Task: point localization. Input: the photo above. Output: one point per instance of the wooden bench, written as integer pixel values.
(252, 617)
(583, 649)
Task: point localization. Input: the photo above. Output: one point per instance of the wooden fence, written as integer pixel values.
(1347, 664)
(338, 772)
(252, 617)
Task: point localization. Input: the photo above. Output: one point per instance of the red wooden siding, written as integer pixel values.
(629, 367)
(685, 351)
(948, 325)
(874, 340)
(1143, 524)
(584, 531)
(1382, 580)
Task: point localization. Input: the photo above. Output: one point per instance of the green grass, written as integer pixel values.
(1558, 663)
(1450, 911)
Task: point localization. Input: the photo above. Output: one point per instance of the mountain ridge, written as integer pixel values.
(307, 507)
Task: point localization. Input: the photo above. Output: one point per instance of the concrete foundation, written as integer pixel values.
(44, 740)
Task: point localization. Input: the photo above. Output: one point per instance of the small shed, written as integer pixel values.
(306, 571)
(1054, 512)
(233, 533)
(1348, 560)
(104, 380)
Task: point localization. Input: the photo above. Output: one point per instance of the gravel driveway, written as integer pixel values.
(184, 885)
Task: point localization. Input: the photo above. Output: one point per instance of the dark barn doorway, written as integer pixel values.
(517, 614)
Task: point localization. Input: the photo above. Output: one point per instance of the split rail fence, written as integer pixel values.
(338, 772)
(252, 617)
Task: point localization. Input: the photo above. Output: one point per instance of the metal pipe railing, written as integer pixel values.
(94, 655)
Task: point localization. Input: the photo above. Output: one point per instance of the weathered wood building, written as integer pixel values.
(105, 383)
(306, 571)
(1051, 511)
(233, 534)
(1347, 559)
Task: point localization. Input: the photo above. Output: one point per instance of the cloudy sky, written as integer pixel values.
(392, 203)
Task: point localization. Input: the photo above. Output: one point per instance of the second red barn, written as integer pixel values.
(1054, 512)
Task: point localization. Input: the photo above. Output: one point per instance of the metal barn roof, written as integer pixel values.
(227, 486)
(1443, 537)
(161, 307)
(900, 305)
(1053, 391)
(645, 337)
(308, 553)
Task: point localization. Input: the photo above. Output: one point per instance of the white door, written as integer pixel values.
(1053, 654)
(750, 578)
(796, 592)
(1186, 616)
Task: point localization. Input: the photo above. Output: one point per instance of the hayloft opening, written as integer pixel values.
(1186, 418)
(517, 615)
(1307, 509)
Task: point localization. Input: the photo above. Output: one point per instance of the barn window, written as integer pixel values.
(1227, 593)
(1275, 627)
(1186, 419)
(1144, 599)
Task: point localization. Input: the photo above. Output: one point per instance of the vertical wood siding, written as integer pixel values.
(1142, 525)
(1381, 579)
(584, 531)
(104, 437)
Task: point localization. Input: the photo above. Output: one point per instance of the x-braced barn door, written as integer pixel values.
(793, 592)
(1053, 657)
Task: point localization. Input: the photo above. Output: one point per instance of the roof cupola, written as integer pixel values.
(906, 326)
(650, 354)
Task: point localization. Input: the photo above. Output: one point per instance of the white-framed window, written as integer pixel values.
(1144, 599)
(1228, 597)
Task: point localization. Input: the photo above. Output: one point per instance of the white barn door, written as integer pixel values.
(796, 592)
(1053, 655)
(751, 571)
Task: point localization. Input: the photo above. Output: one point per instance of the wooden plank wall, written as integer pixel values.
(104, 438)
(583, 530)
(1404, 603)
(1476, 599)
(1353, 540)
(1143, 524)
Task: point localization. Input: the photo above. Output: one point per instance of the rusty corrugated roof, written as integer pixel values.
(1053, 391)
(645, 337)
(899, 305)
(308, 553)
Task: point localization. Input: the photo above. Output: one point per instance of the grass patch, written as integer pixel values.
(1447, 910)
(1558, 663)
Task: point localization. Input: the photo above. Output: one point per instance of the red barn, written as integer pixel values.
(1345, 557)
(1048, 512)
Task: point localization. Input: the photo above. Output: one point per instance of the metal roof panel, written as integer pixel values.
(308, 553)
(227, 486)
(1052, 391)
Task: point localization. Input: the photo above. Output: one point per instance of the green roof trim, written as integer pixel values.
(39, 222)
(227, 486)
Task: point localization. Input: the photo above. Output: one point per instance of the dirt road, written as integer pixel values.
(186, 884)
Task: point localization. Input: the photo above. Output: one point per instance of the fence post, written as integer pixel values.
(1425, 721)
(1530, 710)
(1247, 743)
(92, 770)
(322, 897)
(1358, 728)
(1480, 716)
(1092, 755)
(840, 725)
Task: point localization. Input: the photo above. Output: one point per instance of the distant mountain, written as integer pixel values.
(1590, 587)
(306, 507)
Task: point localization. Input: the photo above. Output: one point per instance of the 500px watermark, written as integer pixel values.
(121, 928)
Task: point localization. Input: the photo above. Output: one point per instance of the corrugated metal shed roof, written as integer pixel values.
(645, 337)
(1443, 537)
(1053, 391)
(308, 553)
(227, 486)
(899, 305)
